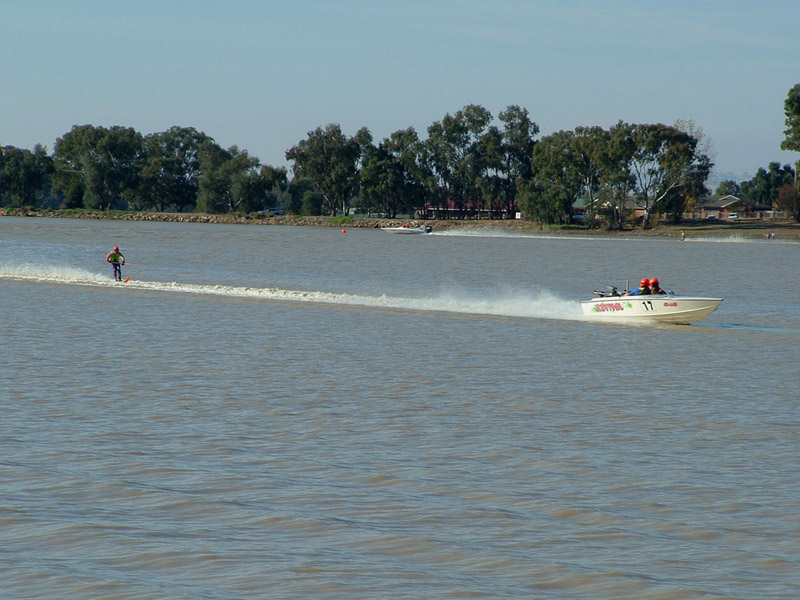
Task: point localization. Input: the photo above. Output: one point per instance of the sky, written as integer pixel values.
(262, 74)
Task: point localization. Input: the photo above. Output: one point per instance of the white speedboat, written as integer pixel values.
(407, 229)
(655, 308)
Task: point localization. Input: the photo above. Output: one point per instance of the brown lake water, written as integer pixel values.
(277, 412)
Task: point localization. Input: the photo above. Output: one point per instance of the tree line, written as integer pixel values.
(100, 168)
(469, 165)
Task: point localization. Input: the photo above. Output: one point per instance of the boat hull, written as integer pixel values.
(650, 309)
(408, 230)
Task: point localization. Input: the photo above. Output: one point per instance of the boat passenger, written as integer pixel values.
(655, 288)
(644, 288)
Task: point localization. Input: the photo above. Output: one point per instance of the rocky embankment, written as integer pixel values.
(784, 229)
(256, 219)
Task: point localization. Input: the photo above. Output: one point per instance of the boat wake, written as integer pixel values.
(51, 273)
(735, 238)
(481, 232)
(488, 232)
(538, 305)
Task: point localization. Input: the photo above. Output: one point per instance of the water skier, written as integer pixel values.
(116, 259)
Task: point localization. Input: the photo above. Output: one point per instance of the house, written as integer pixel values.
(723, 207)
(708, 207)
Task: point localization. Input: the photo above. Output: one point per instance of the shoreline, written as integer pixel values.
(751, 229)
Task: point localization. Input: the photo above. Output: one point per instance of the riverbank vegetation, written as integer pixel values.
(470, 166)
(755, 229)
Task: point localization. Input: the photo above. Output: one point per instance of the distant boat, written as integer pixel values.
(654, 308)
(406, 229)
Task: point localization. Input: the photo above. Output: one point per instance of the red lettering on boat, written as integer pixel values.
(609, 306)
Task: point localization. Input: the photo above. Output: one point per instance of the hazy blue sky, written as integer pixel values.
(262, 74)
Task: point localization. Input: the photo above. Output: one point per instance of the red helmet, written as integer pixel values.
(644, 282)
(654, 281)
(116, 248)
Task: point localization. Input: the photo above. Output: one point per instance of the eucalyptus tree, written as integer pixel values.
(788, 200)
(170, 169)
(370, 168)
(248, 189)
(476, 162)
(69, 176)
(763, 187)
(588, 162)
(295, 190)
(437, 164)
(24, 176)
(592, 157)
(454, 158)
(665, 164)
(230, 180)
(330, 160)
(556, 180)
(791, 108)
(473, 168)
(406, 147)
(518, 139)
(494, 183)
(443, 150)
(382, 180)
(312, 203)
(392, 178)
(112, 169)
(687, 195)
(728, 187)
(214, 184)
(704, 143)
(616, 181)
(275, 181)
(104, 163)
